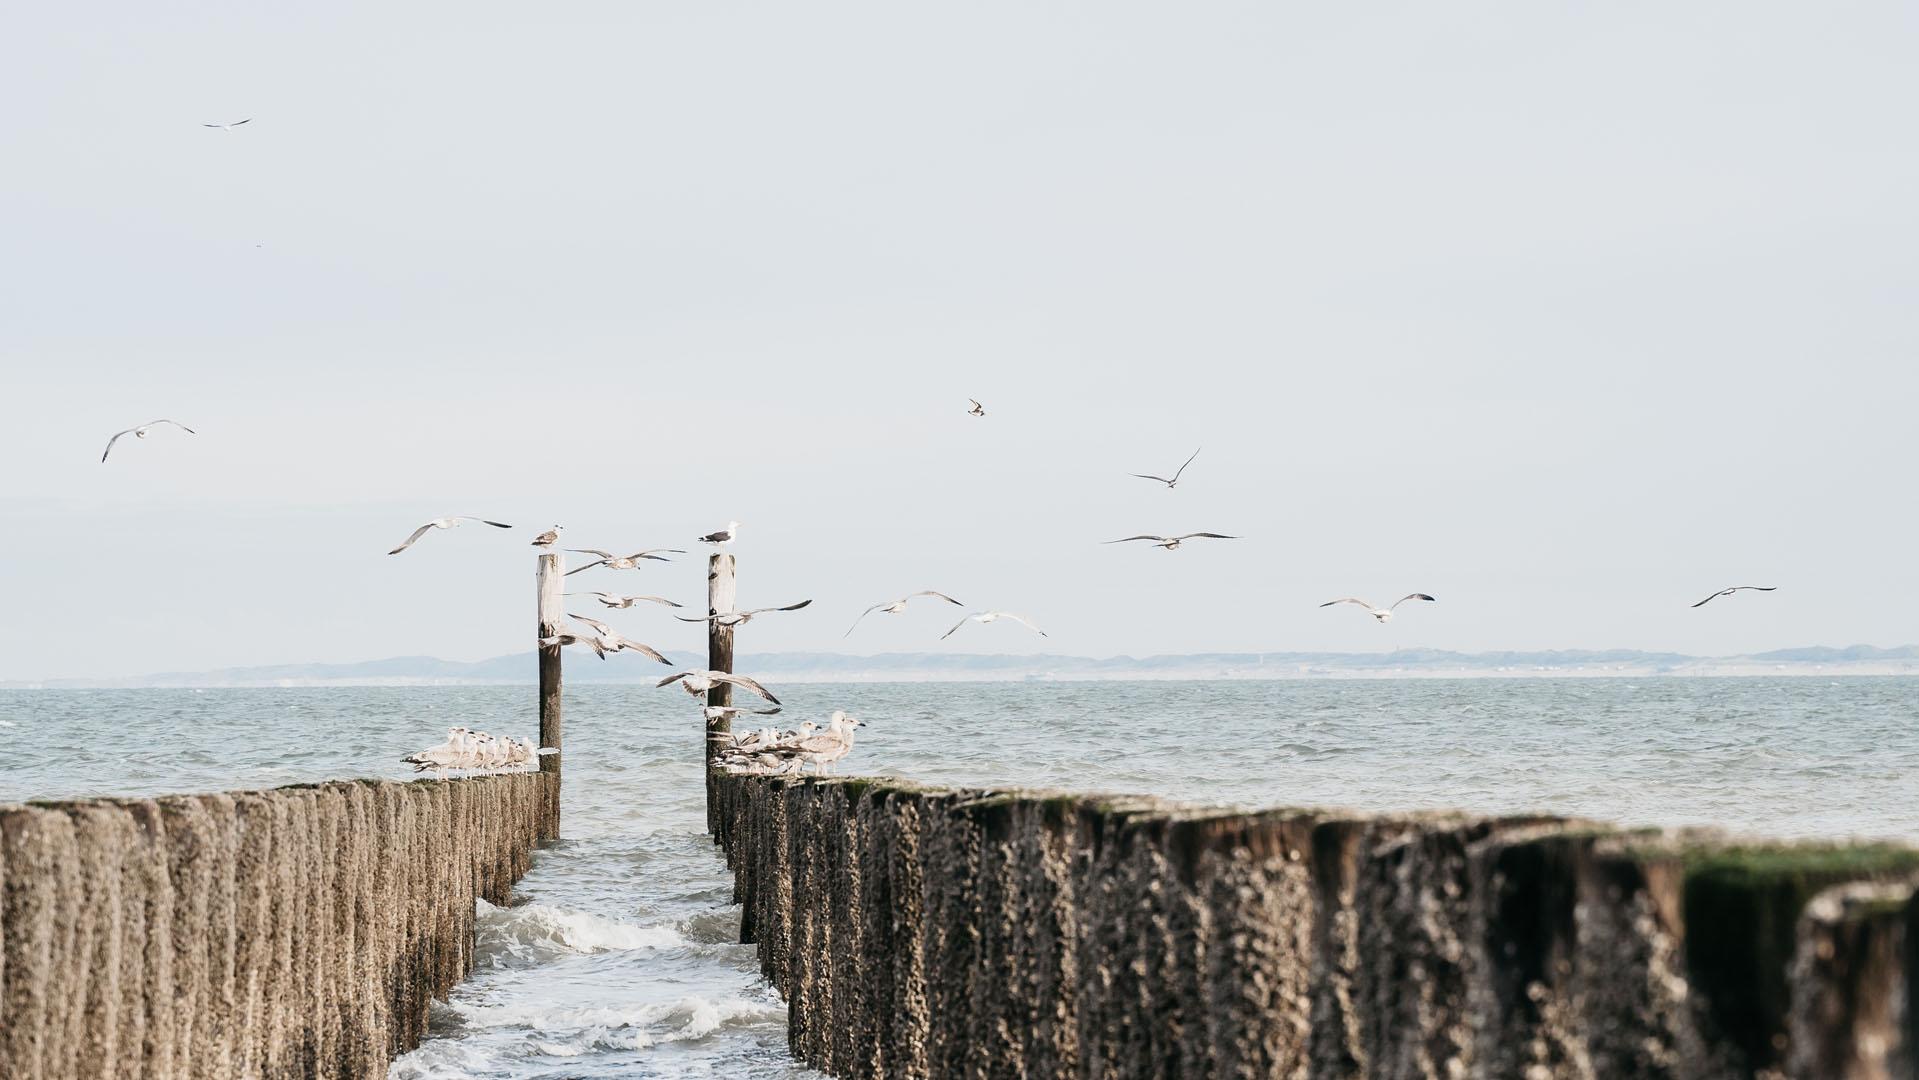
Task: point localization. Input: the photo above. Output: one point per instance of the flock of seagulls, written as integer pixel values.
(475, 750)
(767, 750)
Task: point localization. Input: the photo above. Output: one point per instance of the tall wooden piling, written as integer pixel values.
(721, 591)
(550, 579)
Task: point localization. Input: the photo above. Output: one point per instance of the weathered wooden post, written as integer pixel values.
(551, 581)
(721, 589)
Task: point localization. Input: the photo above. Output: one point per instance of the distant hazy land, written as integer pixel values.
(955, 667)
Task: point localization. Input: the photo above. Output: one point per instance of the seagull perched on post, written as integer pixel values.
(894, 607)
(550, 537)
(697, 683)
(1734, 589)
(1382, 614)
(614, 600)
(622, 562)
(1174, 482)
(724, 536)
(141, 433)
(992, 616)
(977, 409)
(610, 640)
(739, 618)
(444, 523)
(229, 127)
(1171, 543)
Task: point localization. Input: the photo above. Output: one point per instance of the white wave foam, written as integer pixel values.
(532, 933)
(571, 1032)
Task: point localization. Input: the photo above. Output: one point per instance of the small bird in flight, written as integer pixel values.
(549, 537)
(614, 600)
(977, 409)
(622, 562)
(1174, 482)
(724, 536)
(444, 523)
(229, 127)
(141, 433)
(739, 618)
(894, 607)
(992, 616)
(1171, 543)
(609, 640)
(1734, 589)
(1382, 614)
(697, 683)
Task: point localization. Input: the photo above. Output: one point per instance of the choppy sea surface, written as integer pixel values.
(617, 958)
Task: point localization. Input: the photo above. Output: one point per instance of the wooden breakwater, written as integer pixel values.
(922, 932)
(297, 932)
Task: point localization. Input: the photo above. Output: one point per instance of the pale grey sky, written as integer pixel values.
(1566, 314)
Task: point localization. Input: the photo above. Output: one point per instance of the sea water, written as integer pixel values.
(618, 957)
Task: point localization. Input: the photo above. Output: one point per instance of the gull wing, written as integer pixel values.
(1409, 596)
(596, 624)
(417, 533)
(1188, 461)
(929, 592)
(175, 423)
(1209, 536)
(863, 614)
(1158, 539)
(110, 442)
(671, 679)
(1022, 621)
(1149, 476)
(647, 651)
(957, 625)
(745, 683)
(591, 551)
(1348, 600)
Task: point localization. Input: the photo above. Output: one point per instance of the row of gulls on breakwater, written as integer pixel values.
(465, 748)
(767, 750)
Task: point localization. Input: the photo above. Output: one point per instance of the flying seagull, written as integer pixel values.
(1171, 543)
(894, 607)
(550, 537)
(611, 641)
(229, 127)
(724, 536)
(622, 562)
(1734, 589)
(699, 682)
(722, 712)
(1382, 614)
(141, 433)
(1174, 482)
(991, 616)
(977, 409)
(444, 523)
(614, 600)
(739, 618)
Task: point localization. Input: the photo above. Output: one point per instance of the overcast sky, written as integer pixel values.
(1567, 314)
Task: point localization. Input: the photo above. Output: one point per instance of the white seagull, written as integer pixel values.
(549, 537)
(141, 433)
(992, 616)
(229, 127)
(1174, 482)
(611, 641)
(977, 409)
(444, 523)
(1171, 543)
(1734, 589)
(894, 607)
(1382, 614)
(614, 600)
(723, 712)
(622, 562)
(699, 682)
(739, 618)
(724, 536)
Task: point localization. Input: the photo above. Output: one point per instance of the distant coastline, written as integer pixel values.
(799, 667)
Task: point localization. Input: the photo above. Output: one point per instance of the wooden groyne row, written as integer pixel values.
(297, 932)
(921, 932)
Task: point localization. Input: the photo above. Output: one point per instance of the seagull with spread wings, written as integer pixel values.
(977, 409)
(991, 616)
(1174, 481)
(141, 433)
(1172, 543)
(622, 562)
(894, 607)
(1734, 589)
(610, 640)
(444, 523)
(615, 600)
(739, 618)
(229, 127)
(697, 683)
(1382, 614)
